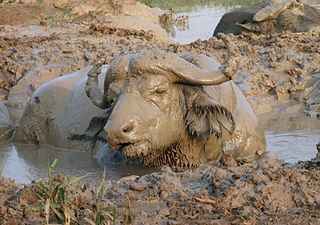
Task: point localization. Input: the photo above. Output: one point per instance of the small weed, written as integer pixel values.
(100, 192)
(40, 2)
(7, 2)
(65, 11)
(55, 195)
(147, 2)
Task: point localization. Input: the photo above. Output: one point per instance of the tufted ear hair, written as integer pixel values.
(203, 117)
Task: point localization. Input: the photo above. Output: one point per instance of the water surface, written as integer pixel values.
(293, 146)
(202, 22)
(24, 163)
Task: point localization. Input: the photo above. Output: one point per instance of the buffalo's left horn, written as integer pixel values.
(188, 73)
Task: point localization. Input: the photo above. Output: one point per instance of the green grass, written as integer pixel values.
(65, 11)
(188, 5)
(57, 199)
(55, 196)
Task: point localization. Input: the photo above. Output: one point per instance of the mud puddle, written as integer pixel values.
(202, 21)
(24, 163)
(293, 146)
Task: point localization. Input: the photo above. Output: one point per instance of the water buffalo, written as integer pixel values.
(154, 106)
(270, 17)
(57, 110)
(172, 110)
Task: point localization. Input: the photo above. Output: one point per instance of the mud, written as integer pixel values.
(264, 192)
(278, 73)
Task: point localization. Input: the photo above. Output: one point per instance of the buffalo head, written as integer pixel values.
(159, 110)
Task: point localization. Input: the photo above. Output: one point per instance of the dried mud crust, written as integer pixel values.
(264, 192)
(33, 11)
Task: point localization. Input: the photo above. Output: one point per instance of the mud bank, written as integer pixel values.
(264, 192)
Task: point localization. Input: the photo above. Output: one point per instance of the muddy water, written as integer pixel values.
(27, 162)
(293, 146)
(202, 22)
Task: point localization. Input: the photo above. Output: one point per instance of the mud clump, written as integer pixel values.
(265, 192)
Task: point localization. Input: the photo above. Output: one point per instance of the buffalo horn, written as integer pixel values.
(118, 69)
(92, 90)
(188, 73)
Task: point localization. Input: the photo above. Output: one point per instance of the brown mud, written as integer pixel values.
(279, 73)
(264, 192)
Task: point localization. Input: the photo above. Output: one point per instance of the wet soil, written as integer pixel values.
(279, 73)
(264, 192)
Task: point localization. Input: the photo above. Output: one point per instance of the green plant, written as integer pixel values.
(100, 192)
(40, 2)
(55, 195)
(148, 2)
(7, 1)
(64, 11)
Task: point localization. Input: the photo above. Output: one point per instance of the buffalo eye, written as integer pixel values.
(160, 91)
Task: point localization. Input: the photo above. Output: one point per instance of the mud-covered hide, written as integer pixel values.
(311, 96)
(58, 110)
(6, 125)
(168, 110)
(270, 17)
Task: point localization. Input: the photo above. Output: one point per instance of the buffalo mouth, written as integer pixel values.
(132, 149)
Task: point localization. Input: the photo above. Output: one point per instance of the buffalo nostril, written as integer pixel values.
(128, 127)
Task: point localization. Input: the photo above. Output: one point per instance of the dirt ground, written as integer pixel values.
(264, 192)
(279, 73)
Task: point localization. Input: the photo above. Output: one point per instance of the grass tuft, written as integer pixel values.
(55, 195)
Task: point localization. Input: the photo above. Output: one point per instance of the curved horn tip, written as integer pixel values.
(232, 65)
(91, 88)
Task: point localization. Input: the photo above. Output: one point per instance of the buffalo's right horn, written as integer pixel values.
(92, 90)
(118, 69)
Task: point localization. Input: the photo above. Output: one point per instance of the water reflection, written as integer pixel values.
(26, 162)
(294, 146)
(187, 5)
(202, 22)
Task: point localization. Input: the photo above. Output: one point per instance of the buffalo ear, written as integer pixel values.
(204, 117)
